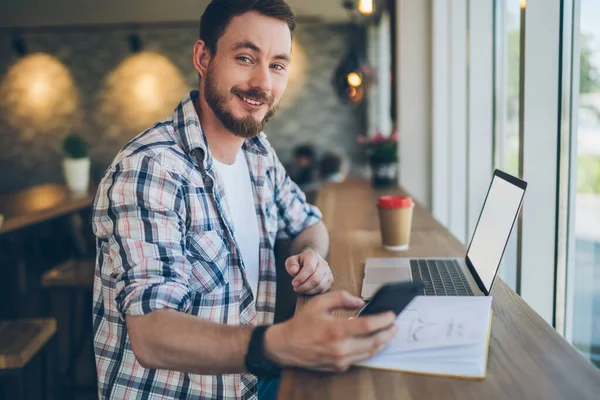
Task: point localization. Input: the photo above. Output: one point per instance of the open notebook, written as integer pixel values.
(440, 335)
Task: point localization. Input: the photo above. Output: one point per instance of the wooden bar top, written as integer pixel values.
(38, 204)
(528, 359)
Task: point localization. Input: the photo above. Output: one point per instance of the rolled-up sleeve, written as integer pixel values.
(139, 216)
(295, 214)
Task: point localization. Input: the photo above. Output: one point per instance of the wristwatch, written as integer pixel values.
(256, 361)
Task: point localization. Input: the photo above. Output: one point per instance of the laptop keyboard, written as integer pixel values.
(441, 277)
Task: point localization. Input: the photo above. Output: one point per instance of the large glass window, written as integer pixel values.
(513, 57)
(508, 35)
(585, 288)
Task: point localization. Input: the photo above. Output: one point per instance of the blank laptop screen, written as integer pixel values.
(493, 229)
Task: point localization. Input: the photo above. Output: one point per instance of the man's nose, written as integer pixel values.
(261, 79)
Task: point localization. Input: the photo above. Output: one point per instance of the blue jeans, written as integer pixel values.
(267, 390)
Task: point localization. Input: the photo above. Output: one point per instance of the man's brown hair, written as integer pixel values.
(219, 13)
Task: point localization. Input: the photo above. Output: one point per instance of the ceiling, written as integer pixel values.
(44, 13)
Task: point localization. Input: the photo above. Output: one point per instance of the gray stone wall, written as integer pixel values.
(81, 82)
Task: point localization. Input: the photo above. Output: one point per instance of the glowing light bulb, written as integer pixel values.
(38, 90)
(365, 7)
(354, 79)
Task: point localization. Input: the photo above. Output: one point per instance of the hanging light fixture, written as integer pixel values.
(353, 75)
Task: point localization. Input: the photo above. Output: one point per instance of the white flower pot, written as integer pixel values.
(77, 174)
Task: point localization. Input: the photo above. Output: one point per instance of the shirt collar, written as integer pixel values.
(188, 128)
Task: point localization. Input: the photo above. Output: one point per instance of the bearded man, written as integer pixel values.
(186, 219)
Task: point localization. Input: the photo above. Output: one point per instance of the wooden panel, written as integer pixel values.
(527, 358)
(21, 340)
(38, 204)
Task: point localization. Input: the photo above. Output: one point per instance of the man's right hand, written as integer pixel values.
(316, 339)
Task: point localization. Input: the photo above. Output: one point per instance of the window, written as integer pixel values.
(584, 267)
(508, 37)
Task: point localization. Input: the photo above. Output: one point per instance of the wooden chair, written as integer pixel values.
(76, 278)
(21, 341)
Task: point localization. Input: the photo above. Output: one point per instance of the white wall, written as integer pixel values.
(440, 113)
(414, 96)
(379, 56)
(457, 145)
(480, 117)
(462, 116)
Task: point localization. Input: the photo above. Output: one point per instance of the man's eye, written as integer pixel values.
(278, 67)
(244, 59)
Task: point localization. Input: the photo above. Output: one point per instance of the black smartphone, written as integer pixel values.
(394, 296)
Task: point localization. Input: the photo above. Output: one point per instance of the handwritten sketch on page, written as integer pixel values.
(433, 321)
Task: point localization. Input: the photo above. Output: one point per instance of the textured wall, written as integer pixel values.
(83, 80)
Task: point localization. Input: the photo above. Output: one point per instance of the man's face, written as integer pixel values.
(247, 76)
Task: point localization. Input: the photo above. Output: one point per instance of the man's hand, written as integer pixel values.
(316, 339)
(311, 272)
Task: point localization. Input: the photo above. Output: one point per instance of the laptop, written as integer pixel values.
(472, 275)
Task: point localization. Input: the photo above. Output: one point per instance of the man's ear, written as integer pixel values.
(201, 57)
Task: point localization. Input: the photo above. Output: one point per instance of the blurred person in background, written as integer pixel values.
(332, 168)
(303, 170)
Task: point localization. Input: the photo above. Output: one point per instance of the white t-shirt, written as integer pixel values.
(240, 198)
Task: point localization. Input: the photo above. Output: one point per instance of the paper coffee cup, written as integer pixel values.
(395, 220)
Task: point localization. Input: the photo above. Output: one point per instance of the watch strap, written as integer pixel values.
(256, 361)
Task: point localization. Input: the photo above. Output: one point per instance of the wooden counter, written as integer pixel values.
(39, 204)
(528, 359)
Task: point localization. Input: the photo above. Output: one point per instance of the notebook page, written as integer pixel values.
(455, 343)
(441, 321)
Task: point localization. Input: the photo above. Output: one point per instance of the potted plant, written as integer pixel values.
(76, 164)
(382, 153)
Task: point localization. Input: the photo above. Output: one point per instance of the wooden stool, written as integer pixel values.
(77, 278)
(20, 342)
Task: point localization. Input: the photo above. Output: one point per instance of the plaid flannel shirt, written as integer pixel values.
(165, 239)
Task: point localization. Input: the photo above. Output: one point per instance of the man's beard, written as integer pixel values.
(217, 98)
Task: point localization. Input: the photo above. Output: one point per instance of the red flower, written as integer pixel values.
(394, 136)
(361, 139)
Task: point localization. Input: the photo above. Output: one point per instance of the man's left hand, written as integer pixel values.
(311, 272)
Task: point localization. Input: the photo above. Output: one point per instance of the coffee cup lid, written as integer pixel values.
(394, 202)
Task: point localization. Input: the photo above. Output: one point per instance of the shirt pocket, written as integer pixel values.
(209, 256)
